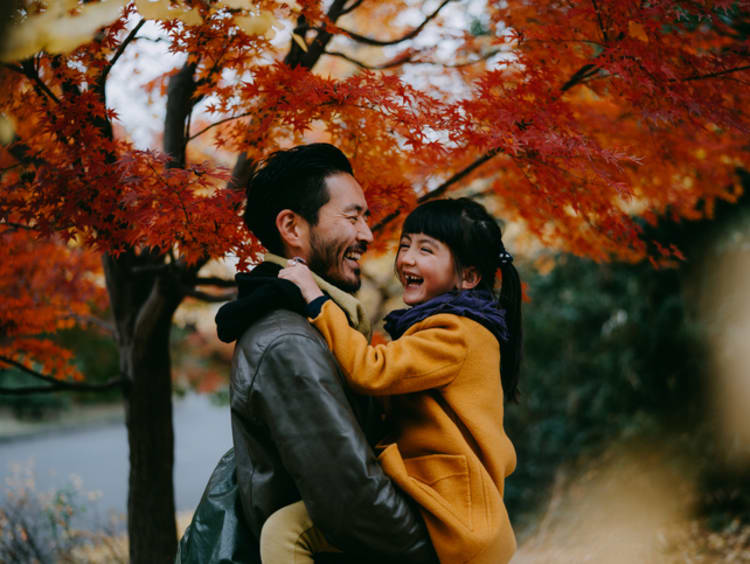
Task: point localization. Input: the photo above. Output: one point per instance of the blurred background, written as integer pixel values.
(631, 432)
(633, 427)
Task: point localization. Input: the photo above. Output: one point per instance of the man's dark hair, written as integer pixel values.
(291, 179)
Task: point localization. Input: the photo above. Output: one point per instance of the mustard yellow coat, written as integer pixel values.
(450, 451)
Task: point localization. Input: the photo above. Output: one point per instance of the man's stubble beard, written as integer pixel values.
(324, 256)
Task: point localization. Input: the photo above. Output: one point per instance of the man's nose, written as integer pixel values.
(364, 233)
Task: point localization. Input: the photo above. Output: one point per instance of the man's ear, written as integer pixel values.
(294, 232)
(470, 277)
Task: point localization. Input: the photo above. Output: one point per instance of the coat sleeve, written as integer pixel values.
(427, 358)
(302, 400)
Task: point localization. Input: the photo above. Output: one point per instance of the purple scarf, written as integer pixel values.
(477, 305)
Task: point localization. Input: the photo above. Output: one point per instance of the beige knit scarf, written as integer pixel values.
(351, 305)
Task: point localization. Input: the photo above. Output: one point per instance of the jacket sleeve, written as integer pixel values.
(302, 400)
(427, 358)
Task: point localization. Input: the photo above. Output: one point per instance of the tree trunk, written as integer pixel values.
(143, 305)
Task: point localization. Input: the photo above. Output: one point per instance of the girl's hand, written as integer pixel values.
(298, 273)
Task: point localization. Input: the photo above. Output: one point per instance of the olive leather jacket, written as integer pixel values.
(298, 433)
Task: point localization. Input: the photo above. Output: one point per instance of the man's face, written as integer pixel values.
(341, 235)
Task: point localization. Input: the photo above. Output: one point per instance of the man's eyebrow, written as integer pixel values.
(357, 208)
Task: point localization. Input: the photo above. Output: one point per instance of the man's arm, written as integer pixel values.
(300, 397)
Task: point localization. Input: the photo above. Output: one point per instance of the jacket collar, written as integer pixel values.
(260, 291)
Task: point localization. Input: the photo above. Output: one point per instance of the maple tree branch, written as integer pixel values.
(215, 124)
(60, 387)
(55, 384)
(599, 19)
(22, 152)
(457, 177)
(409, 61)
(409, 35)
(296, 56)
(18, 226)
(150, 39)
(151, 268)
(363, 65)
(179, 104)
(29, 72)
(460, 175)
(100, 323)
(120, 51)
(210, 298)
(351, 8)
(580, 75)
(215, 281)
(714, 74)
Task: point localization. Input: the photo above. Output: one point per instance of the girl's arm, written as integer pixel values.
(428, 358)
(425, 359)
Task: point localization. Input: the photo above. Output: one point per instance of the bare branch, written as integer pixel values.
(361, 64)
(410, 35)
(296, 56)
(90, 319)
(151, 268)
(18, 226)
(460, 175)
(215, 124)
(29, 72)
(351, 8)
(180, 103)
(601, 23)
(119, 52)
(60, 388)
(715, 74)
(409, 61)
(215, 281)
(210, 298)
(580, 75)
(55, 384)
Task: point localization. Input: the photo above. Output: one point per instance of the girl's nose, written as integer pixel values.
(406, 257)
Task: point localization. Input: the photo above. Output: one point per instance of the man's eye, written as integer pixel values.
(426, 250)
(353, 218)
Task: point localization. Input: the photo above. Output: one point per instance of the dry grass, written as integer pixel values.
(630, 507)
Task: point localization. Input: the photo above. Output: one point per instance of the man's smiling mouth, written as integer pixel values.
(354, 255)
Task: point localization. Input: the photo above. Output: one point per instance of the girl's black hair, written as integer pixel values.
(475, 239)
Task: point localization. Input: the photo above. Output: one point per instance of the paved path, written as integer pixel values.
(98, 454)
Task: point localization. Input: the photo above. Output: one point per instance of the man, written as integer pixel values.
(297, 430)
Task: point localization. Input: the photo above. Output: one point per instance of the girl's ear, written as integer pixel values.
(470, 277)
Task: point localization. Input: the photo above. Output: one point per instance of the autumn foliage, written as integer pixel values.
(587, 115)
(581, 119)
(46, 286)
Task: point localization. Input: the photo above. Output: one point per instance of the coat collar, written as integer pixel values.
(260, 291)
(478, 305)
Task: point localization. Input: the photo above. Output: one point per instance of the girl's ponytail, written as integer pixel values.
(510, 300)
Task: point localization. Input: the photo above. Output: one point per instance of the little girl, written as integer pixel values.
(442, 375)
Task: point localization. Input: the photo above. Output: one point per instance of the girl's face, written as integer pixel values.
(425, 267)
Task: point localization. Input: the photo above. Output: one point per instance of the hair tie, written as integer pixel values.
(505, 257)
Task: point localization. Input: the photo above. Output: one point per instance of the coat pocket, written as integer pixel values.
(444, 478)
